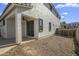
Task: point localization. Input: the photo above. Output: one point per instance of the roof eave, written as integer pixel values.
(55, 9)
(6, 8)
(1, 17)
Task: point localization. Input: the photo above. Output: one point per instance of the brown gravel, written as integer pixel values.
(54, 45)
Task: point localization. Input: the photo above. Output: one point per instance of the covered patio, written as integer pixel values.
(20, 24)
(19, 28)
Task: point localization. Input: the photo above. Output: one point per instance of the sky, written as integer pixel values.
(2, 7)
(69, 11)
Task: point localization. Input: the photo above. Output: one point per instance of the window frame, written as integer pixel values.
(40, 21)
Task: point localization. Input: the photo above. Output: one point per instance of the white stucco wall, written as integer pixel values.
(40, 11)
(4, 29)
(5, 33)
(24, 30)
(11, 28)
(1, 28)
(1, 23)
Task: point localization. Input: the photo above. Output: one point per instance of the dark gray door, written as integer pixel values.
(30, 28)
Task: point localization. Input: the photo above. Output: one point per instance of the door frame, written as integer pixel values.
(31, 33)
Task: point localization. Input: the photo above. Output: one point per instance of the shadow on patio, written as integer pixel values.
(6, 42)
(10, 42)
(27, 38)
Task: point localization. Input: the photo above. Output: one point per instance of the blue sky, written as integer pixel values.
(2, 7)
(68, 12)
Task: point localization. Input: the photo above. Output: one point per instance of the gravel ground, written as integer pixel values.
(51, 46)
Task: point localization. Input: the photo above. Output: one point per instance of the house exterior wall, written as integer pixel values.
(8, 31)
(24, 28)
(3, 29)
(11, 28)
(40, 11)
(48, 17)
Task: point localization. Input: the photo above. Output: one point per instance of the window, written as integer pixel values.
(3, 22)
(40, 25)
(49, 26)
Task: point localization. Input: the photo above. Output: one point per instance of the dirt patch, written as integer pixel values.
(50, 46)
